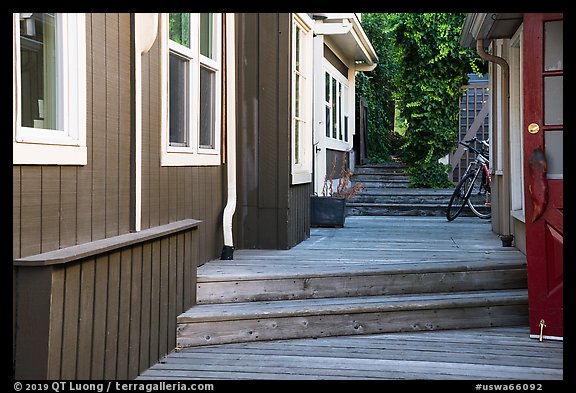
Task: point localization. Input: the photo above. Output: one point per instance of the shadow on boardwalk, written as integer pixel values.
(420, 253)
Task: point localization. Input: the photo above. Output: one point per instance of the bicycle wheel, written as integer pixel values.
(478, 200)
(458, 198)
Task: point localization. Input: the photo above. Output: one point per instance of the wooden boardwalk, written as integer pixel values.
(380, 257)
(467, 354)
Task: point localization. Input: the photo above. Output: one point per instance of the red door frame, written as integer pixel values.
(544, 236)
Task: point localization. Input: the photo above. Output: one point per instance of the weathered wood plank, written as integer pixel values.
(90, 249)
(145, 314)
(163, 333)
(71, 316)
(332, 285)
(86, 319)
(112, 313)
(100, 316)
(137, 307)
(429, 355)
(155, 303)
(57, 306)
(123, 316)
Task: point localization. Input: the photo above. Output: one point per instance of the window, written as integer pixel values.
(49, 83)
(336, 104)
(191, 135)
(302, 105)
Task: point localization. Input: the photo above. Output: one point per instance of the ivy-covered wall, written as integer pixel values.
(422, 69)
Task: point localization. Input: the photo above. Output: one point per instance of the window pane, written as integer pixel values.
(207, 97)
(334, 110)
(178, 97)
(553, 100)
(297, 96)
(340, 111)
(179, 26)
(206, 32)
(297, 142)
(38, 70)
(298, 41)
(327, 82)
(554, 147)
(553, 41)
(327, 121)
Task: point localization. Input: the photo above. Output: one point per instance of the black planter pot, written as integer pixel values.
(327, 211)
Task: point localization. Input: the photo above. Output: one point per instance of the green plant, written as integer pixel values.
(377, 88)
(430, 175)
(421, 69)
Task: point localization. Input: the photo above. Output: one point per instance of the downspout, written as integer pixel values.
(228, 250)
(145, 31)
(505, 69)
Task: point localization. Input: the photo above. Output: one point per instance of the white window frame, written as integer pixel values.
(343, 110)
(67, 144)
(516, 127)
(193, 154)
(302, 171)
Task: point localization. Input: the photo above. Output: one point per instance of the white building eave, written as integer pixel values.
(346, 32)
(488, 26)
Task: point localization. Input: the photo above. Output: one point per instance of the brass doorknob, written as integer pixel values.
(533, 128)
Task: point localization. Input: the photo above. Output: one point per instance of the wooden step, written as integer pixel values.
(284, 319)
(403, 209)
(313, 280)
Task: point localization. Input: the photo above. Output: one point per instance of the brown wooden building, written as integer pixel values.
(142, 145)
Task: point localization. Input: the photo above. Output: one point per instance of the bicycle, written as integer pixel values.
(474, 187)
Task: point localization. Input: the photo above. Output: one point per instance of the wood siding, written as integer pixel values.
(271, 213)
(113, 314)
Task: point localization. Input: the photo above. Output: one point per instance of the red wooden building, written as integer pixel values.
(525, 55)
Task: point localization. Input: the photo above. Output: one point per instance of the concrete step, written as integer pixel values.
(402, 209)
(379, 184)
(380, 177)
(285, 319)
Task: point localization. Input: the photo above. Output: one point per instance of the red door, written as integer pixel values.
(543, 168)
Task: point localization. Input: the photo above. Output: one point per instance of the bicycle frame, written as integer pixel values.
(470, 184)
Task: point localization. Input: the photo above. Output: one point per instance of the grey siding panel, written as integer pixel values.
(299, 217)
(99, 134)
(124, 122)
(50, 225)
(112, 126)
(247, 135)
(266, 217)
(68, 206)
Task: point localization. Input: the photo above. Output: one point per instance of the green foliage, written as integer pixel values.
(377, 87)
(422, 68)
(433, 67)
(430, 175)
